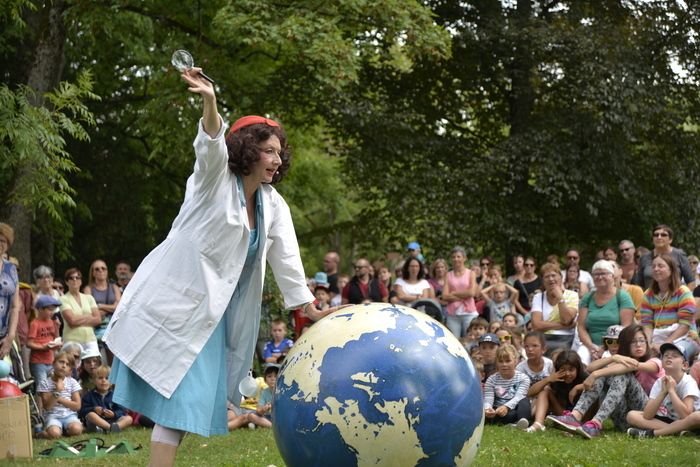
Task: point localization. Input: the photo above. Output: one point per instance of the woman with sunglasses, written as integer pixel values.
(601, 308)
(662, 236)
(619, 383)
(106, 294)
(668, 307)
(530, 282)
(80, 313)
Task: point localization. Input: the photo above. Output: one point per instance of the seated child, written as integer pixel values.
(537, 367)
(263, 415)
(494, 326)
(41, 338)
(277, 348)
(505, 393)
(60, 397)
(610, 341)
(477, 328)
(90, 360)
(488, 345)
(509, 320)
(673, 397)
(101, 415)
(559, 391)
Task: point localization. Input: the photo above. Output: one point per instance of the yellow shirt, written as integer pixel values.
(81, 333)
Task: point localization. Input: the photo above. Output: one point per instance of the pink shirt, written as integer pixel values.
(460, 284)
(647, 380)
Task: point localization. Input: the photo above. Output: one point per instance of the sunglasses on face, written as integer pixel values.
(625, 249)
(99, 268)
(610, 341)
(505, 338)
(74, 278)
(529, 265)
(660, 234)
(485, 264)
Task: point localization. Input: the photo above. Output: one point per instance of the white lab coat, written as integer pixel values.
(182, 288)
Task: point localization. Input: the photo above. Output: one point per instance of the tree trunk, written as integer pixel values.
(43, 75)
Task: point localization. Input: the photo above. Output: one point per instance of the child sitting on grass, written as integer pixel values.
(263, 415)
(277, 348)
(505, 393)
(673, 397)
(560, 389)
(60, 396)
(101, 415)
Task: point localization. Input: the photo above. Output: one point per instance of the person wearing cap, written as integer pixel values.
(10, 305)
(610, 341)
(43, 337)
(414, 251)
(602, 307)
(488, 345)
(196, 297)
(90, 360)
(673, 397)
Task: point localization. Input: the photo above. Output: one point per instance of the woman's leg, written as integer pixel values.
(634, 399)
(164, 444)
(588, 398)
(454, 325)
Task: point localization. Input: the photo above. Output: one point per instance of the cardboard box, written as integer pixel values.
(15, 428)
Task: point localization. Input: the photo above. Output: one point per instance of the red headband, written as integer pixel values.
(251, 120)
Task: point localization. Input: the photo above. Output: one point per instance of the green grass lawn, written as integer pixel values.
(500, 446)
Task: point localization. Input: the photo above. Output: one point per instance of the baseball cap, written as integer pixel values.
(413, 246)
(613, 332)
(45, 301)
(490, 337)
(679, 347)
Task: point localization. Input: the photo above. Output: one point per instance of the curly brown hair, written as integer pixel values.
(243, 150)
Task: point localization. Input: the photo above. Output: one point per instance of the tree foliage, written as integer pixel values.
(553, 124)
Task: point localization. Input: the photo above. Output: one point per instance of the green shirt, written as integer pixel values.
(599, 318)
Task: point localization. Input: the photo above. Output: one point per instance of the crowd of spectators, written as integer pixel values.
(553, 344)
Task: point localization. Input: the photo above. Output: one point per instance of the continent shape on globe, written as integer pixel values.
(378, 384)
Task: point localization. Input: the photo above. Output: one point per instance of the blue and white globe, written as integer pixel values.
(377, 384)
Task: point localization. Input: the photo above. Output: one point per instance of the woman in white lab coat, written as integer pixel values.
(185, 329)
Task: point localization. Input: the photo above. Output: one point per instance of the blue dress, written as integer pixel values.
(198, 405)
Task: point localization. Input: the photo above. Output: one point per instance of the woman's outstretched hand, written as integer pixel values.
(197, 83)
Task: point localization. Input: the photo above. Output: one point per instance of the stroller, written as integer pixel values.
(430, 307)
(25, 384)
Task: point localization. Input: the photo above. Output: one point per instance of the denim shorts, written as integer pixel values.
(61, 422)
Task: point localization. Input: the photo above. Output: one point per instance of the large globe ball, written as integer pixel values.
(377, 384)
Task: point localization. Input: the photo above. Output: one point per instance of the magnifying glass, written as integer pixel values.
(182, 60)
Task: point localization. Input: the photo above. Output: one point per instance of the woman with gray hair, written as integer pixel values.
(43, 282)
(459, 291)
(602, 307)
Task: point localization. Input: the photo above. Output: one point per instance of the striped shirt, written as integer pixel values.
(678, 308)
(499, 391)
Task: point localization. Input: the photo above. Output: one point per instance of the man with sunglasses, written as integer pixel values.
(662, 236)
(628, 264)
(573, 258)
(362, 288)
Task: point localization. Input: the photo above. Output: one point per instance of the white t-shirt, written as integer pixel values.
(413, 289)
(583, 276)
(551, 313)
(536, 377)
(70, 386)
(686, 387)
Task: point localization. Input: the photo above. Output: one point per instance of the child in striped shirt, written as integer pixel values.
(505, 393)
